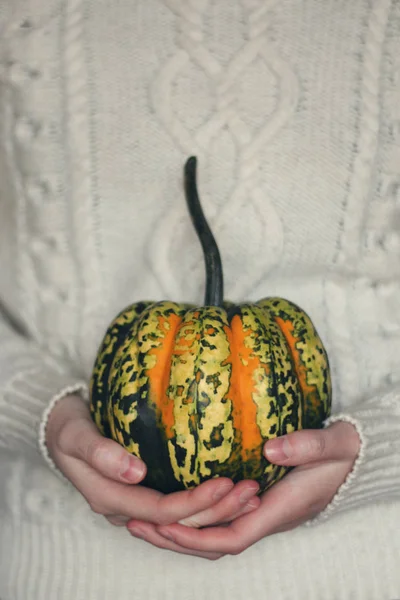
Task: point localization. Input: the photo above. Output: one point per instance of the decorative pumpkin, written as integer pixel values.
(196, 391)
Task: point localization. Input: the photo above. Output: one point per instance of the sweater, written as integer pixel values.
(292, 108)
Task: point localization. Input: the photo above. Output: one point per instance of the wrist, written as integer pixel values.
(60, 413)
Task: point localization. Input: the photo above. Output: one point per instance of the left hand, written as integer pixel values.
(323, 458)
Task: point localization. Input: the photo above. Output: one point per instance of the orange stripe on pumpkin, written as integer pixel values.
(184, 340)
(159, 374)
(242, 386)
(309, 391)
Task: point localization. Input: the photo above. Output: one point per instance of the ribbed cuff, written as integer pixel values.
(375, 476)
(79, 388)
(27, 401)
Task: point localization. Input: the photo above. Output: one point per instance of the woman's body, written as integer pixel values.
(292, 111)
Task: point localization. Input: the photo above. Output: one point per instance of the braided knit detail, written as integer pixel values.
(361, 182)
(79, 175)
(226, 123)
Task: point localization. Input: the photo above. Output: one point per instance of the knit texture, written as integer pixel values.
(292, 108)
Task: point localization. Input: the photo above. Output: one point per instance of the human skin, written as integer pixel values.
(109, 477)
(322, 460)
(217, 517)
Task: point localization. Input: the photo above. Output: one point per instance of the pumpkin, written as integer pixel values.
(196, 391)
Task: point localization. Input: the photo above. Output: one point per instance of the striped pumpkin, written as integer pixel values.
(196, 391)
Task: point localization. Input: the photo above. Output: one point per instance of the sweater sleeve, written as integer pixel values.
(31, 382)
(375, 476)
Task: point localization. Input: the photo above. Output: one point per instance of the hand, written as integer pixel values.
(323, 459)
(107, 476)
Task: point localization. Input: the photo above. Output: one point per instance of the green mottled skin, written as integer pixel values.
(195, 392)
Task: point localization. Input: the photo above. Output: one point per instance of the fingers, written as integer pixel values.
(181, 505)
(242, 499)
(215, 540)
(340, 441)
(79, 438)
(149, 533)
(301, 495)
(101, 470)
(109, 497)
(230, 539)
(237, 535)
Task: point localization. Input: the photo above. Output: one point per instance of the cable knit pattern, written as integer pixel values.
(369, 108)
(293, 110)
(80, 177)
(226, 117)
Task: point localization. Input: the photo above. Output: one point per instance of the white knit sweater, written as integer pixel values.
(293, 109)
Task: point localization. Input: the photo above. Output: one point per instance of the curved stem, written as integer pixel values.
(214, 277)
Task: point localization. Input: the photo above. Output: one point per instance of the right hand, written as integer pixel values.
(107, 476)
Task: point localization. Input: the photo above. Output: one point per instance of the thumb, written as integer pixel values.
(339, 441)
(81, 439)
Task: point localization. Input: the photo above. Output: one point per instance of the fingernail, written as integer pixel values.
(132, 469)
(247, 494)
(191, 521)
(222, 491)
(137, 532)
(252, 505)
(278, 449)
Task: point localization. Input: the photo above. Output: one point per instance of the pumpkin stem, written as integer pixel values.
(214, 278)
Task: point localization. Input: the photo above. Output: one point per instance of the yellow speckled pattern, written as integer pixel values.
(195, 392)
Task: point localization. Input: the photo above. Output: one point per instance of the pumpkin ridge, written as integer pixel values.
(155, 408)
(118, 329)
(310, 361)
(182, 391)
(247, 436)
(212, 373)
(159, 374)
(272, 425)
(123, 390)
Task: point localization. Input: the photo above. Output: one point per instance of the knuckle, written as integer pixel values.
(96, 508)
(92, 451)
(163, 518)
(100, 504)
(160, 518)
(317, 444)
(71, 436)
(63, 439)
(237, 548)
(215, 558)
(163, 512)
